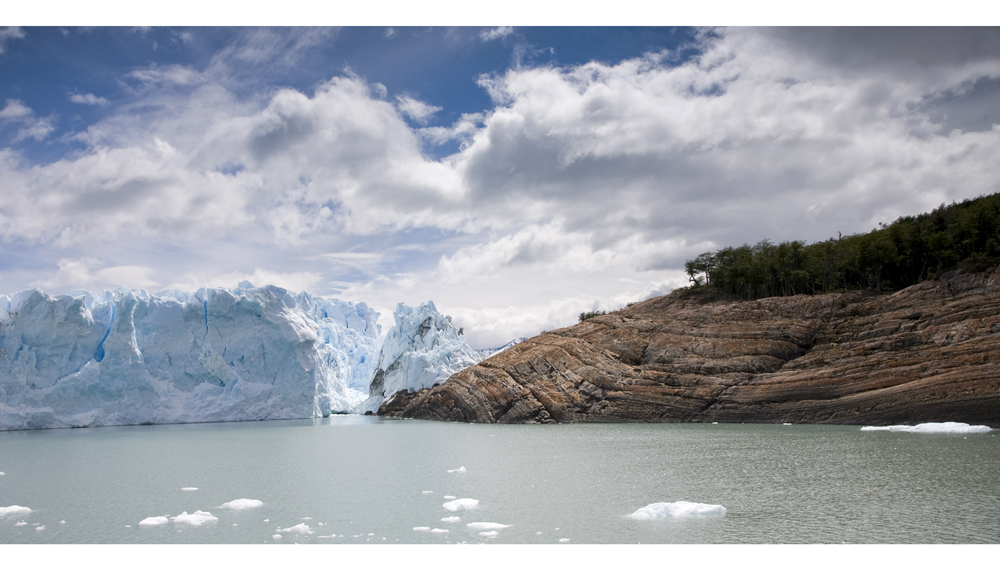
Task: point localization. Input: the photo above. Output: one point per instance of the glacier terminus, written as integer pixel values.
(127, 357)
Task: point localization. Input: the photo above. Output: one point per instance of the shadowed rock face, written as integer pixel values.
(930, 352)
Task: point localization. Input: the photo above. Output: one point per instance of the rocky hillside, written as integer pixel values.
(930, 352)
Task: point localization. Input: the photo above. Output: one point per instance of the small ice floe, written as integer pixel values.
(487, 526)
(22, 523)
(128, 526)
(371, 534)
(62, 522)
(786, 424)
(439, 530)
(461, 505)
(301, 528)
(459, 470)
(539, 532)
(2, 473)
(449, 497)
(489, 533)
(196, 518)
(242, 504)
(189, 488)
(154, 521)
(276, 536)
(451, 519)
(564, 540)
(933, 427)
(267, 520)
(678, 509)
(427, 492)
(14, 510)
(307, 518)
(421, 528)
(39, 528)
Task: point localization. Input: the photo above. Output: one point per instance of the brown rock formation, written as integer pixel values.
(930, 352)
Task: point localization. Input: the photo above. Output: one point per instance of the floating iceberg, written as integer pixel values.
(459, 470)
(933, 427)
(451, 519)
(301, 528)
(196, 518)
(439, 530)
(241, 504)
(461, 505)
(678, 509)
(421, 528)
(154, 521)
(489, 533)
(421, 349)
(14, 510)
(487, 526)
(189, 488)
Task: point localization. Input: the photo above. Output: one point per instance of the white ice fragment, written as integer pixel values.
(461, 505)
(421, 528)
(196, 518)
(678, 509)
(2, 473)
(932, 427)
(439, 530)
(786, 424)
(451, 519)
(427, 492)
(189, 488)
(539, 532)
(242, 504)
(14, 509)
(267, 520)
(62, 522)
(301, 528)
(449, 497)
(307, 518)
(563, 540)
(275, 536)
(489, 533)
(154, 521)
(459, 470)
(22, 523)
(40, 528)
(486, 526)
(128, 526)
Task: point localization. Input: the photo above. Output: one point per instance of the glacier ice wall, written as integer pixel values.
(127, 357)
(421, 349)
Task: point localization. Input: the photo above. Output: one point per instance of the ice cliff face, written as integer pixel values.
(421, 349)
(128, 357)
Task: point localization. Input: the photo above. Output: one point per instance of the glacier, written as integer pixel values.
(126, 357)
(423, 348)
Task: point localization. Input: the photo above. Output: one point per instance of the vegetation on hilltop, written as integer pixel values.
(962, 235)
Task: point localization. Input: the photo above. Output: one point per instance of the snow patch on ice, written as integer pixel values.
(196, 518)
(678, 509)
(487, 526)
(301, 528)
(461, 505)
(154, 521)
(242, 504)
(933, 427)
(459, 470)
(14, 509)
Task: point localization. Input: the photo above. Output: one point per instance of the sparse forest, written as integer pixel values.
(911, 249)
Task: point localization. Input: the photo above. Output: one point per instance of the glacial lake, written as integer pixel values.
(355, 479)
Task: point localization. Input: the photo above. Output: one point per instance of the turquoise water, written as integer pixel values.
(354, 479)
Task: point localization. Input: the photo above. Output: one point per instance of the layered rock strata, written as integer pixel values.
(930, 352)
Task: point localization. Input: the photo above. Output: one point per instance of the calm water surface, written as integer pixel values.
(365, 480)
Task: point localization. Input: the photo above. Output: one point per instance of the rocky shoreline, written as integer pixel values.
(930, 352)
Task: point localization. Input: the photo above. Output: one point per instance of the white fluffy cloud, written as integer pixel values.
(87, 99)
(28, 125)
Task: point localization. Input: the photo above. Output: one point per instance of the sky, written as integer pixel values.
(516, 176)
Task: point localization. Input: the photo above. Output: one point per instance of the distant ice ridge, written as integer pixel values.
(421, 349)
(128, 357)
(933, 427)
(678, 509)
(488, 352)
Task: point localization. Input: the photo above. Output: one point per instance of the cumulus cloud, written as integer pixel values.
(87, 99)
(495, 33)
(293, 281)
(9, 33)
(389, 33)
(28, 125)
(414, 109)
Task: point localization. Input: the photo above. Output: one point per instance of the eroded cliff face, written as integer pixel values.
(930, 352)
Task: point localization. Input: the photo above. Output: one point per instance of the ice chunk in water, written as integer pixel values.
(932, 427)
(189, 488)
(275, 536)
(14, 509)
(241, 504)
(154, 521)
(427, 492)
(459, 470)
(22, 523)
(678, 509)
(40, 528)
(421, 528)
(2, 473)
(486, 526)
(563, 540)
(196, 518)
(451, 519)
(439, 530)
(489, 533)
(301, 528)
(449, 497)
(461, 505)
